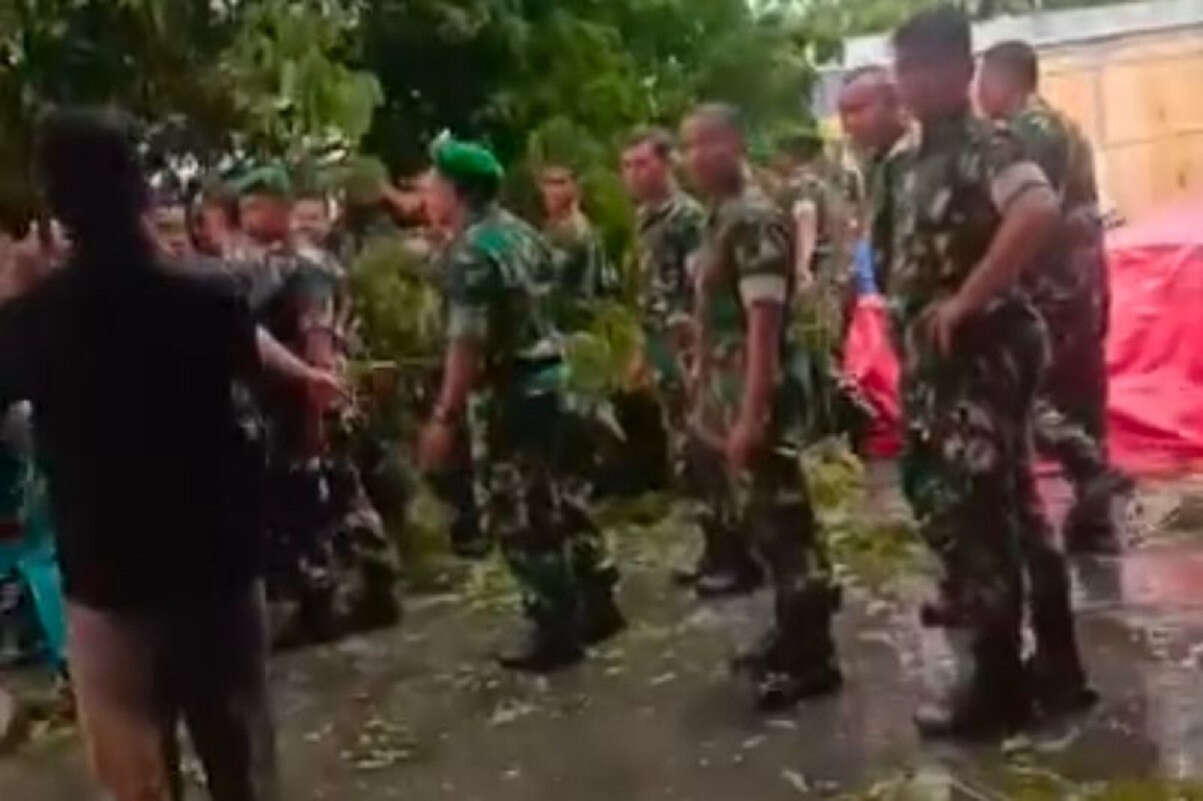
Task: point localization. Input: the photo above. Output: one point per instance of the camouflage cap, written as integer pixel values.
(466, 163)
(270, 178)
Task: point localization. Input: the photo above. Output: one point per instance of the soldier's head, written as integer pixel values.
(559, 188)
(712, 136)
(215, 218)
(89, 168)
(647, 164)
(311, 222)
(870, 112)
(168, 218)
(933, 61)
(1009, 73)
(465, 176)
(265, 203)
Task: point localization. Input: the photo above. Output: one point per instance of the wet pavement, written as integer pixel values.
(420, 713)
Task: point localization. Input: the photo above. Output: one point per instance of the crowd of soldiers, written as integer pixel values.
(985, 238)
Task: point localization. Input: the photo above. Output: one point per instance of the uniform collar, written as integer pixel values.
(649, 212)
(949, 128)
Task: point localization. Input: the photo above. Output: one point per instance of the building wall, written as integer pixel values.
(1140, 100)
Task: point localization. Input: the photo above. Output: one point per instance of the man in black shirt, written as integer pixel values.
(153, 485)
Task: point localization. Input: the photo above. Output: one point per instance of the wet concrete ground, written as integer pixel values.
(420, 712)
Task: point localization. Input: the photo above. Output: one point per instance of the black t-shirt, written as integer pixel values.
(154, 485)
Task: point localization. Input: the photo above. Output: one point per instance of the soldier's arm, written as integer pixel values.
(467, 328)
(805, 214)
(324, 386)
(1030, 213)
(763, 266)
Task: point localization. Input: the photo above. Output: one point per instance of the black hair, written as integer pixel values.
(942, 32)
(856, 73)
(89, 166)
(725, 114)
(1016, 59)
(660, 140)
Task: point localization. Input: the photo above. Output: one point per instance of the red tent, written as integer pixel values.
(1154, 348)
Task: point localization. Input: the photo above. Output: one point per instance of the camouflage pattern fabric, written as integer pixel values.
(670, 236)
(883, 174)
(1070, 289)
(331, 567)
(533, 508)
(747, 258)
(579, 270)
(830, 264)
(968, 414)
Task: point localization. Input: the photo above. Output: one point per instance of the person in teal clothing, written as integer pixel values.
(27, 545)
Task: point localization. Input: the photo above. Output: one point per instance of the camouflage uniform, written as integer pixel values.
(1069, 286)
(537, 516)
(670, 234)
(579, 270)
(829, 265)
(883, 176)
(747, 258)
(331, 568)
(966, 464)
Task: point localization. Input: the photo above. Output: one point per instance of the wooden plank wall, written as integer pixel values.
(1140, 99)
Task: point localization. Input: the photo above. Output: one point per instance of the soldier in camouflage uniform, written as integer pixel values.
(812, 195)
(974, 212)
(669, 226)
(580, 270)
(331, 568)
(745, 447)
(503, 370)
(1070, 288)
(872, 116)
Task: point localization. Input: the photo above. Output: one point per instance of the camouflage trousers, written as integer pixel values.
(536, 511)
(331, 567)
(966, 463)
(766, 511)
(1070, 419)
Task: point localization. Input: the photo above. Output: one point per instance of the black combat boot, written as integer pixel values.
(730, 568)
(1056, 678)
(1091, 526)
(796, 658)
(549, 645)
(600, 617)
(992, 702)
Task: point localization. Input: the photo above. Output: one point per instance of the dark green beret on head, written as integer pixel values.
(466, 164)
(263, 179)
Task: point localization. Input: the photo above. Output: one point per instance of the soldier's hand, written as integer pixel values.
(942, 320)
(744, 440)
(436, 446)
(325, 389)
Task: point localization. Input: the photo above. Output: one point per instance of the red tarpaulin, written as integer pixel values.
(1154, 347)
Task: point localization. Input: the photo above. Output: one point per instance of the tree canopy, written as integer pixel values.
(295, 77)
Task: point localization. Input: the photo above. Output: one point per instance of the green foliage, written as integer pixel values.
(399, 308)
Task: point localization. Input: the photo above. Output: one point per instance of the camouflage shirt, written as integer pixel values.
(670, 233)
(1060, 148)
(747, 257)
(1069, 290)
(489, 278)
(580, 267)
(952, 197)
(811, 184)
(883, 176)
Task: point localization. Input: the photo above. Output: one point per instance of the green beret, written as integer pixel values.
(266, 179)
(465, 162)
